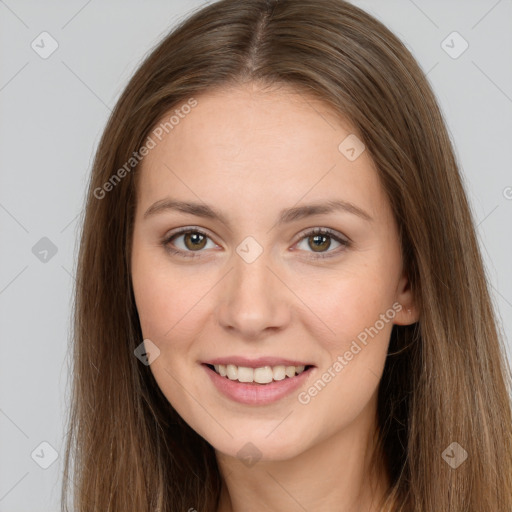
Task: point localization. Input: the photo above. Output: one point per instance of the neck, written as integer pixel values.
(334, 474)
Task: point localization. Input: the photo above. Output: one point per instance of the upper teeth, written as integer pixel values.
(262, 375)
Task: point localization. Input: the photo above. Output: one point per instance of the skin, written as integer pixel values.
(250, 153)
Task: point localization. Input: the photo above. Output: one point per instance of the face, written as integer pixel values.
(264, 249)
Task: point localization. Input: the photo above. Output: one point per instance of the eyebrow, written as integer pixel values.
(286, 216)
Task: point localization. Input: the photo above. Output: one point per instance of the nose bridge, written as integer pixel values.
(252, 276)
(253, 298)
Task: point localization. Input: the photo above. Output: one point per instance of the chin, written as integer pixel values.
(257, 445)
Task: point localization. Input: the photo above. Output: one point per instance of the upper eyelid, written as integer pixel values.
(185, 230)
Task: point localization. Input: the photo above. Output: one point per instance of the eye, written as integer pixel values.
(320, 239)
(193, 240)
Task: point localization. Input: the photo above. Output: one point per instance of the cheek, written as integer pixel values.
(356, 312)
(168, 304)
(166, 296)
(349, 302)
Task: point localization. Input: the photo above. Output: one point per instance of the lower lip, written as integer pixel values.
(257, 394)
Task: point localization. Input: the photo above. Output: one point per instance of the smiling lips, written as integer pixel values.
(260, 381)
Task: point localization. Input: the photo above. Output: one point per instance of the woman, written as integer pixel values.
(281, 303)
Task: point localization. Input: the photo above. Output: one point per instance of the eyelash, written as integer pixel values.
(345, 243)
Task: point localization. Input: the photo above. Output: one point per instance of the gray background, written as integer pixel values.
(53, 111)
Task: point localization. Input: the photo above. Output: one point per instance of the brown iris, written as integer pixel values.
(194, 240)
(321, 242)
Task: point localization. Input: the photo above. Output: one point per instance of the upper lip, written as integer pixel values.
(256, 363)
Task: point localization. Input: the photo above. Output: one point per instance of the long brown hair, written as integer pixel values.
(446, 378)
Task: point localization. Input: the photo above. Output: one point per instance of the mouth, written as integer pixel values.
(259, 376)
(258, 382)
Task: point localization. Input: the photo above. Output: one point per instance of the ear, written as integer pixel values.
(408, 313)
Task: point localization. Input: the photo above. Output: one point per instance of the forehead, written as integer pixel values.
(254, 146)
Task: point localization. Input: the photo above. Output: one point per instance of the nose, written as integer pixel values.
(253, 299)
